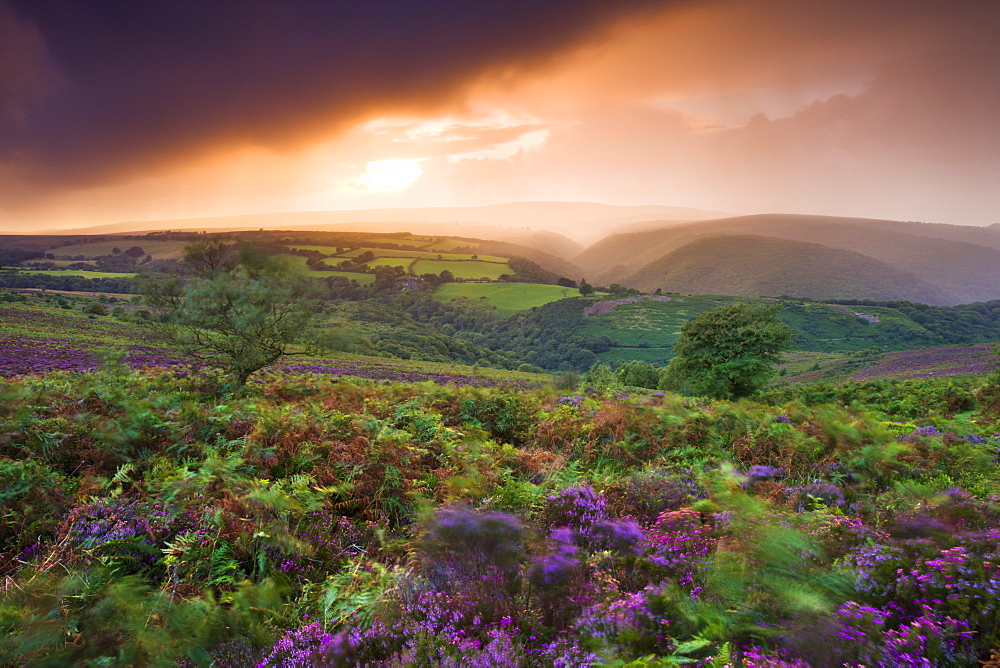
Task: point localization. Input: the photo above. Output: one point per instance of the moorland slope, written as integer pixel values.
(953, 264)
(752, 266)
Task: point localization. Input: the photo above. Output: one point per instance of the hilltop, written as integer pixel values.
(950, 264)
(751, 265)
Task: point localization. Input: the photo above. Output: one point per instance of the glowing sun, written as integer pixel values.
(391, 174)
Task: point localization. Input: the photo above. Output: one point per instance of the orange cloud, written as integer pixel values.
(876, 107)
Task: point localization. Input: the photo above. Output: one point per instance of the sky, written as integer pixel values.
(117, 110)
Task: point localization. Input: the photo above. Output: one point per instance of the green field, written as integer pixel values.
(462, 268)
(402, 240)
(508, 297)
(450, 244)
(295, 260)
(355, 241)
(76, 272)
(300, 262)
(403, 262)
(160, 250)
(653, 323)
(425, 254)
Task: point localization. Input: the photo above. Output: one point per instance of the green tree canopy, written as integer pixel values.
(235, 308)
(637, 373)
(729, 352)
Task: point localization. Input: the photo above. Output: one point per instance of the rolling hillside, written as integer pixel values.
(953, 264)
(647, 328)
(754, 266)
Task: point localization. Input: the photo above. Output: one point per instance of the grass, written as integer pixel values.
(300, 262)
(160, 250)
(402, 240)
(391, 261)
(462, 268)
(656, 324)
(450, 244)
(420, 254)
(71, 325)
(354, 240)
(506, 297)
(70, 328)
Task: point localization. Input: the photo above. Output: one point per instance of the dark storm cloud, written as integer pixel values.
(94, 89)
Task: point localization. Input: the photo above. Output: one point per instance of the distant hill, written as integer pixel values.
(581, 221)
(753, 266)
(959, 264)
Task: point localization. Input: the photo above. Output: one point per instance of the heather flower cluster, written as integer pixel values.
(579, 509)
(681, 544)
(865, 636)
(575, 401)
(559, 563)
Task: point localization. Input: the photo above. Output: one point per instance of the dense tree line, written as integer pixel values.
(116, 285)
(11, 257)
(542, 337)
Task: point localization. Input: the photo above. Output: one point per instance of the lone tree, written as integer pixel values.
(729, 352)
(234, 308)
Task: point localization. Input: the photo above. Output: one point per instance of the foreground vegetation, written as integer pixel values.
(323, 520)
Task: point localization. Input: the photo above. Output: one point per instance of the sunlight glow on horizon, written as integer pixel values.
(385, 175)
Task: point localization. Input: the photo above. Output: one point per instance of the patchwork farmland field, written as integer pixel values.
(300, 262)
(506, 297)
(468, 269)
(75, 272)
(427, 255)
(160, 250)
(450, 244)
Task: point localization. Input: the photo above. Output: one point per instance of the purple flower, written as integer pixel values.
(572, 401)
(760, 472)
(818, 495)
(459, 533)
(579, 508)
(621, 536)
(559, 563)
